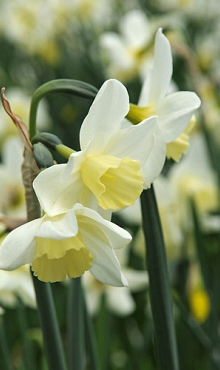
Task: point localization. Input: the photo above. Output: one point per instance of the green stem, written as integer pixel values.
(202, 337)
(68, 86)
(103, 329)
(200, 247)
(49, 325)
(45, 303)
(28, 350)
(91, 340)
(159, 286)
(76, 340)
(4, 346)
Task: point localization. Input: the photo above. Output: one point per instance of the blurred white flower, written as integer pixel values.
(16, 284)
(12, 200)
(195, 178)
(126, 52)
(119, 301)
(20, 105)
(34, 25)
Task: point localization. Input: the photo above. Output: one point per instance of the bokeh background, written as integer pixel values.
(91, 41)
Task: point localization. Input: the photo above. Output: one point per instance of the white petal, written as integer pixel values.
(88, 199)
(57, 196)
(143, 142)
(120, 301)
(158, 79)
(175, 113)
(105, 115)
(137, 280)
(105, 265)
(154, 164)
(135, 142)
(136, 28)
(59, 227)
(116, 50)
(116, 236)
(18, 248)
(100, 237)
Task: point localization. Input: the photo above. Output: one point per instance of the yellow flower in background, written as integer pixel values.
(199, 304)
(198, 298)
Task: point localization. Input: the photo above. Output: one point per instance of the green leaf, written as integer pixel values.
(159, 285)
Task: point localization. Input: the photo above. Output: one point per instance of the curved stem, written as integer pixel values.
(68, 86)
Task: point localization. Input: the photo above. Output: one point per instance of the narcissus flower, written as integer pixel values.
(67, 244)
(127, 52)
(175, 110)
(17, 285)
(114, 164)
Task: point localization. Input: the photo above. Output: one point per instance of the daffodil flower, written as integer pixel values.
(17, 284)
(114, 164)
(175, 110)
(67, 244)
(126, 51)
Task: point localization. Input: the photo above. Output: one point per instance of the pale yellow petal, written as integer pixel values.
(56, 259)
(116, 182)
(176, 148)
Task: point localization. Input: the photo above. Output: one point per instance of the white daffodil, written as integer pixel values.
(12, 200)
(195, 178)
(125, 52)
(175, 110)
(17, 284)
(114, 163)
(119, 301)
(67, 244)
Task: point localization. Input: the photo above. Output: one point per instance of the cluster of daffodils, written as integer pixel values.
(122, 151)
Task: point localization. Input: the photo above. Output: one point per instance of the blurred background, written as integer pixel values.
(91, 41)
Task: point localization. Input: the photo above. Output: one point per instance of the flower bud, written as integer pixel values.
(42, 156)
(49, 140)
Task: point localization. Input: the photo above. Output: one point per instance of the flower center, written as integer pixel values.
(116, 182)
(137, 114)
(56, 259)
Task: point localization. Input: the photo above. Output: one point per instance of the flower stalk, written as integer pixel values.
(67, 86)
(159, 287)
(46, 309)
